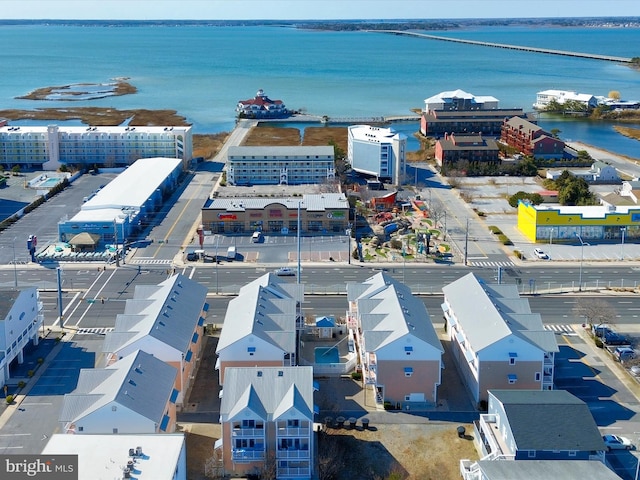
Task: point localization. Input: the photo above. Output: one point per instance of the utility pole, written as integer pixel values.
(299, 226)
(115, 238)
(466, 242)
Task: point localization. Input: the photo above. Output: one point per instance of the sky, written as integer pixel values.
(310, 9)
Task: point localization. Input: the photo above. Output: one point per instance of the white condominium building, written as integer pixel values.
(49, 147)
(280, 165)
(377, 151)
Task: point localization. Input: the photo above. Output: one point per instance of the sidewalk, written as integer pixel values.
(48, 349)
(617, 369)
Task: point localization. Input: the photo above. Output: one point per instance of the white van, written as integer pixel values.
(231, 253)
(256, 237)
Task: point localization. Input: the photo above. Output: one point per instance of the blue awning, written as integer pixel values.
(316, 386)
(165, 423)
(201, 321)
(512, 377)
(408, 369)
(408, 348)
(316, 410)
(205, 307)
(251, 349)
(194, 339)
(188, 356)
(174, 395)
(513, 355)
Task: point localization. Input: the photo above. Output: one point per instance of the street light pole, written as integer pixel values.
(15, 267)
(217, 242)
(622, 230)
(582, 244)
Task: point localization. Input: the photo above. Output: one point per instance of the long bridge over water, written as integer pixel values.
(566, 53)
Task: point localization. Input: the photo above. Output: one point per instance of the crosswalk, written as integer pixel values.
(149, 261)
(561, 329)
(507, 264)
(94, 331)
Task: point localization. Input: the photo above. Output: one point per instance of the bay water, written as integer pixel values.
(202, 71)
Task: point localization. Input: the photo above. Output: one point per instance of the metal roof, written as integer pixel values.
(549, 420)
(168, 312)
(545, 470)
(389, 312)
(269, 392)
(133, 187)
(139, 382)
(266, 308)
(488, 313)
(310, 202)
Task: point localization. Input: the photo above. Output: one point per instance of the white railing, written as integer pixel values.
(294, 472)
(244, 455)
(289, 453)
(248, 432)
(293, 431)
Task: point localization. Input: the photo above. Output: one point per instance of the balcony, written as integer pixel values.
(247, 432)
(492, 441)
(293, 432)
(246, 455)
(292, 454)
(294, 472)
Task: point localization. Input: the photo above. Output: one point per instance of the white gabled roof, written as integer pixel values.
(265, 308)
(167, 312)
(389, 312)
(487, 313)
(269, 392)
(139, 382)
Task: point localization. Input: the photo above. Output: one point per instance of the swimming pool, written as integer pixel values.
(49, 182)
(327, 355)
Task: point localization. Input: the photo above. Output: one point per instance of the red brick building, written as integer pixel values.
(471, 148)
(530, 139)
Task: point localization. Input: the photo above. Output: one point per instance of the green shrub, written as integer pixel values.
(598, 342)
(21, 384)
(495, 230)
(356, 376)
(504, 239)
(9, 399)
(388, 406)
(40, 360)
(31, 373)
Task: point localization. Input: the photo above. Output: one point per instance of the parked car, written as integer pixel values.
(600, 330)
(285, 272)
(540, 254)
(616, 442)
(192, 256)
(613, 338)
(635, 370)
(624, 354)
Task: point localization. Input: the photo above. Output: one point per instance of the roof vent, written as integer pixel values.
(259, 373)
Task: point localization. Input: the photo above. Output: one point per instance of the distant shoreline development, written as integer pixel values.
(592, 56)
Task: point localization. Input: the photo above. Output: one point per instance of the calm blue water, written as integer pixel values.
(326, 355)
(203, 71)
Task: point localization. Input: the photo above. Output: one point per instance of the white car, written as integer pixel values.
(540, 254)
(285, 272)
(616, 442)
(635, 370)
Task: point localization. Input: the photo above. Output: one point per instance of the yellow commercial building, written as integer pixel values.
(549, 223)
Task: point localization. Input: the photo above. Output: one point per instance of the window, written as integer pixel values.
(408, 371)
(251, 350)
(572, 453)
(512, 358)
(512, 379)
(408, 350)
(115, 430)
(532, 454)
(537, 376)
(81, 429)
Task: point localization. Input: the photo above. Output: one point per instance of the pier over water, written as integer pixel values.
(593, 56)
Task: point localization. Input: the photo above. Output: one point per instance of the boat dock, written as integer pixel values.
(566, 53)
